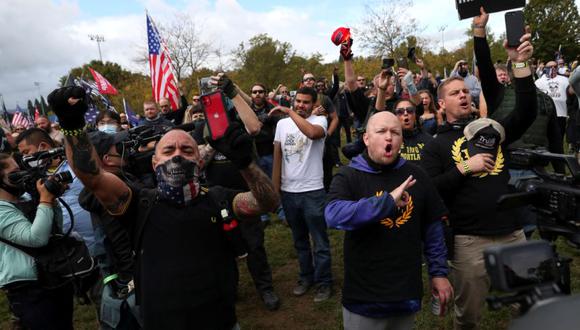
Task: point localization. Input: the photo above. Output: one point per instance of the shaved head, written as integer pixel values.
(383, 137)
(175, 143)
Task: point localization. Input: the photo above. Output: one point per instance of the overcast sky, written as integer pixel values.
(40, 40)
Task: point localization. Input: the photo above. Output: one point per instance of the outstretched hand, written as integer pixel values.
(400, 194)
(69, 105)
(481, 19)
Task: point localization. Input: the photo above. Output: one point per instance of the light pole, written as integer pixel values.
(37, 84)
(98, 38)
(442, 30)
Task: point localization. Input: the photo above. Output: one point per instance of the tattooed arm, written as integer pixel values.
(206, 153)
(111, 191)
(261, 198)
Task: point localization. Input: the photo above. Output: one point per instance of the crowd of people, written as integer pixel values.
(168, 218)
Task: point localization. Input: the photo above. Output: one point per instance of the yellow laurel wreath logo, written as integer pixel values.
(402, 219)
(456, 155)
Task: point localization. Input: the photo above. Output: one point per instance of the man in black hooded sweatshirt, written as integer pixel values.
(470, 182)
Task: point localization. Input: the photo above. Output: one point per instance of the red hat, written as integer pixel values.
(340, 35)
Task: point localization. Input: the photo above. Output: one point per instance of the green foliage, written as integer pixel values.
(554, 23)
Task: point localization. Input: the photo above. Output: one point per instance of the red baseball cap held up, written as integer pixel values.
(340, 35)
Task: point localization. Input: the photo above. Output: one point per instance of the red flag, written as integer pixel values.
(103, 84)
(162, 77)
(36, 113)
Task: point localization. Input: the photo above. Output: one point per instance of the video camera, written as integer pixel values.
(535, 275)
(34, 167)
(140, 136)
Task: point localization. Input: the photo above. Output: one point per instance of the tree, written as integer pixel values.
(385, 26)
(554, 23)
(188, 50)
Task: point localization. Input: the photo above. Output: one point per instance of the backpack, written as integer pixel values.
(64, 259)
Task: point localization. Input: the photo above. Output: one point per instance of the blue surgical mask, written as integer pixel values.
(108, 128)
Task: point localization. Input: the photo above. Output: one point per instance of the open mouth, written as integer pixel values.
(465, 105)
(406, 121)
(389, 150)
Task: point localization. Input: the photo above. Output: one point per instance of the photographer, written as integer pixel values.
(36, 307)
(185, 268)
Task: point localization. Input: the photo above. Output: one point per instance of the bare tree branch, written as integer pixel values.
(386, 25)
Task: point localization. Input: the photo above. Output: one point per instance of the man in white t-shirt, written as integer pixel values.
(556, 87)
(298, 174)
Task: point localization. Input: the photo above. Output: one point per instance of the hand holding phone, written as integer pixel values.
(215, 114)
(515, 27)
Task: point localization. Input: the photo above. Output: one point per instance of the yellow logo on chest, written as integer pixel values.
(460, 154)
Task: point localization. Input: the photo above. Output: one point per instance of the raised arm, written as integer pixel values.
(247, 115)
(236, 145)
(312, 131)
(70, 106)
(349, 76)
(491, 88)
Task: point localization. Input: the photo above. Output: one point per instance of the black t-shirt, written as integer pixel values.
(382, 260)
(264, 141)
(186, 267)
(413, 143)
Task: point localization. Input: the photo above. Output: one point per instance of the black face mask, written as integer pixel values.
(463, 72)
(177, 180)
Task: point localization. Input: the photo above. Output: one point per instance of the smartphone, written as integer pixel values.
(388, 63)
(205, 87)
(402, 63)
(514, 27)
(214, 107)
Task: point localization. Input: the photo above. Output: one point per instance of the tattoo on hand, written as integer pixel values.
(82, 154)
(262, 196)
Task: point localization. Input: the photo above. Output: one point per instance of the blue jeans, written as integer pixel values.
(266, 163)
(305, 215)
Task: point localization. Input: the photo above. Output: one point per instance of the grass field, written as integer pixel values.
(302, 312)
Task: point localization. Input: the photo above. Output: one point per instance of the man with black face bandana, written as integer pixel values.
(185, 266)
(462, 70)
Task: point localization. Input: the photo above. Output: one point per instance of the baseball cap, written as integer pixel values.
(340, 35)
(483, 135)
(102, 142)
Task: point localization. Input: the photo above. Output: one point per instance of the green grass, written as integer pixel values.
(302, 312)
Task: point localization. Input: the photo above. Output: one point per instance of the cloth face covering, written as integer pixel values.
(177, 180)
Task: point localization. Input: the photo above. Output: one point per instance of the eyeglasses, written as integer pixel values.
(258, 91)
(308, 79)
(401, 111)
(284, 92)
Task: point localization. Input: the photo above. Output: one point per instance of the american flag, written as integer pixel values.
(93, 91)
(162, 76)
(20, 119)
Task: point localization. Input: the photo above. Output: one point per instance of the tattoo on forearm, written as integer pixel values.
(119, 206)
(82, 154)
(262, 196)
(206, 154)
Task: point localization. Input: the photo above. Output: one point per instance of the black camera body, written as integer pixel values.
(535, 275)
(34, 167)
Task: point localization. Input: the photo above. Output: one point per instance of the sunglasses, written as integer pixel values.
(308, 79)
(284, 92)
(360, 79)
(401, 111)
(258, 91)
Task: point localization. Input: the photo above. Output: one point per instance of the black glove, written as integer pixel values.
(70, 117)
(236, 145)
(227, 86)
(346, 51)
